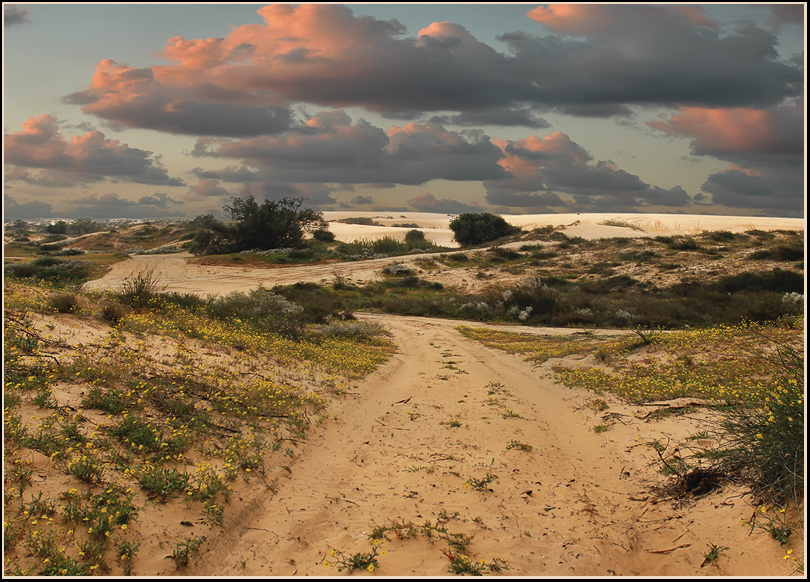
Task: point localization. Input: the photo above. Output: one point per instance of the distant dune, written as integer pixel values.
(586, 225)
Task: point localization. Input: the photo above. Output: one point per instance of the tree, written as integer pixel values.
(473, 228)
(84, 226)
(270, 225)
(58, 227)
(414, 237)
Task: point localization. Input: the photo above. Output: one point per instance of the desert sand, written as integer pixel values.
(179, 272)
(586, 225)
(401, 444)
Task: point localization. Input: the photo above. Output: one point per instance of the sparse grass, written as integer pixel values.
(519, 446)
(712, 554)
(163, 412)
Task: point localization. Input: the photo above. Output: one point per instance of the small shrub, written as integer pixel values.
(185, 549)
(113, 311)
(140, 290)
(323, 235)
(65, 302)
(414, 237)
(397, 270)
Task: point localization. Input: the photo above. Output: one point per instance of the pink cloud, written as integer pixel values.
(88, 157)
(735, 131)
(576, 19)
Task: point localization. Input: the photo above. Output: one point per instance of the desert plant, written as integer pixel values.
(142, 288)
(65, 302)
(764, 439)
(478, 228)
(359, 561)
(185, 549)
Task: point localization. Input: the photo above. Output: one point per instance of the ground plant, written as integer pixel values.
(170, 412)
(753, 373)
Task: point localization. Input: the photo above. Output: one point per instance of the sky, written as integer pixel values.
(164, 110)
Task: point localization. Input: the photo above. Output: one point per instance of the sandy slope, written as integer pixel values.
(577, 504)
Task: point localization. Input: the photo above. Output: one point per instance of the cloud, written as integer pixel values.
(330, 148)
(13, 16)
(788, 13)
(770, 192)
(740, 134)
(542, 170)
(765, 146)
(207, 188)
(148, 98)
(496, 116)
(429, 203)
(362, 200)
(653, 54)
(85, 158)
(111, 205)
(28, 210)
(598, 61)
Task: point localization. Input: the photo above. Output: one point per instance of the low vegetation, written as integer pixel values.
(752, 374)
(160, 406)
(175, 400)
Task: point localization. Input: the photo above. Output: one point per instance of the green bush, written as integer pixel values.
(478, 228)
(323, 235)
(764, 440)
(140, 290)
(54, 270)
(261, 308)
(778, 280)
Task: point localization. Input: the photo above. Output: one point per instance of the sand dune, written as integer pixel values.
(587, 225)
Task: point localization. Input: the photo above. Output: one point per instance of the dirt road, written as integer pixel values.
(177, 273)
(475, 442)
(446, 414)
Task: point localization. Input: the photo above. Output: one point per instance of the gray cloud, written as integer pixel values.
(111, 205)
(341, 152)
(597, 61)
(28, 210)
(768, 192)
(362, 200)
(13, 16)
(92, 157)
(429, 203)
(496, 116)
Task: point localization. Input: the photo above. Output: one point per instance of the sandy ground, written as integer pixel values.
(578, 503)
(401, 446)
(178, 272)
(587, 225)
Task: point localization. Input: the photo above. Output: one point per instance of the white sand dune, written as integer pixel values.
(587, 225)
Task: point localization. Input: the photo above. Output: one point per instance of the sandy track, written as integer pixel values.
(573, 505)
(577, 504)
(177, 273)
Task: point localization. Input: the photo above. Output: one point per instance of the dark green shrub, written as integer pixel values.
(58, 227)
(323, 235)
(479, 228)
(779, 253)
(778, 280)
(763, 441)
(69, 253)
(414, 237)
(51, 269)
(504, 254)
